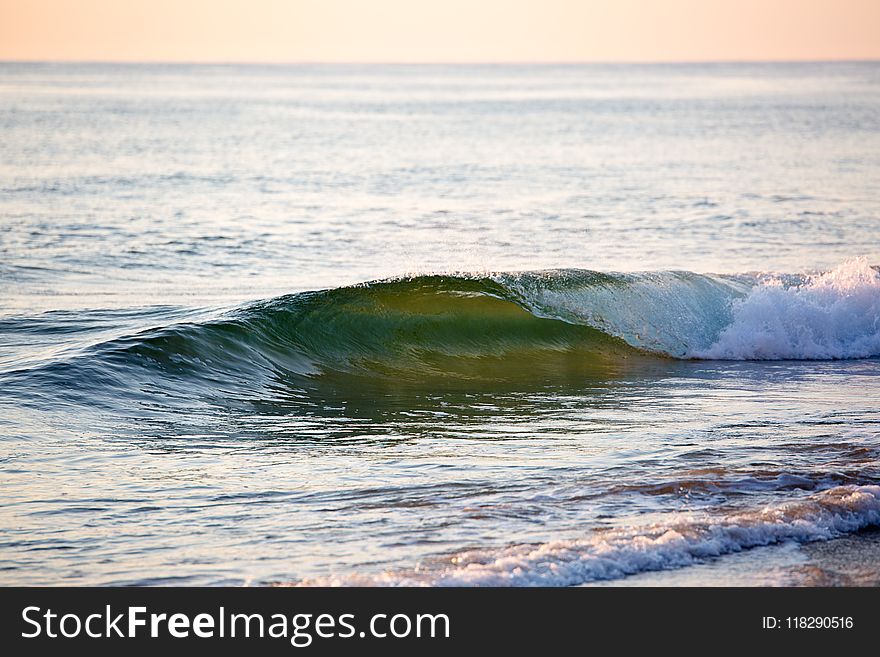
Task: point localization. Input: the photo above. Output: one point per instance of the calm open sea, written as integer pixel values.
(469, 325)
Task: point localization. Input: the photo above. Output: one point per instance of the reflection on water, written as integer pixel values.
(292, 482)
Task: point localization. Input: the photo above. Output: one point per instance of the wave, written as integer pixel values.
(606, 554)
(834, 315)
(411, 329)
(524, 325)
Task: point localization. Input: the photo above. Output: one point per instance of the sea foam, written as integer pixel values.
(682, 540)
(831, 315)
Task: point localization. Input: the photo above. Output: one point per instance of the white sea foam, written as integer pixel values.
(609, 554)
(831, 315)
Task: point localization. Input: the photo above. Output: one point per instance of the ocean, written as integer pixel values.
(528, 325)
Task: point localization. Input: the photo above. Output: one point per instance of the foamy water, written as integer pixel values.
(677, 542)
(835, 314)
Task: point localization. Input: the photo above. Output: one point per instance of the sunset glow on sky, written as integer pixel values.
(438, 30)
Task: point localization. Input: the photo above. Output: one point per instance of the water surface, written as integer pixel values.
(550, 325)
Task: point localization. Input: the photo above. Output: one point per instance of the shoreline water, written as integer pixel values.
(851, 560)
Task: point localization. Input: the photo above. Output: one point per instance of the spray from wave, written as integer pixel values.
(615, 553)
(831, 315)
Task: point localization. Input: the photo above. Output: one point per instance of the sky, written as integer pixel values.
(438, 30)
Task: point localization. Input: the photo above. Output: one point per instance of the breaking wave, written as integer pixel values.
(503, 326)
(614, 553)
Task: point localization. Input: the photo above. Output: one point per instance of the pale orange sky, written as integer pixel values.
(438, 30)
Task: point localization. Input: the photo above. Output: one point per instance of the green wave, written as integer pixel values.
(428, 327)
(554, 326)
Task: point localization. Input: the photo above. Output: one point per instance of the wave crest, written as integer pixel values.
(829, 316)
(526, 326)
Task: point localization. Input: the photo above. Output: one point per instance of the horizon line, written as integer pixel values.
(512, 62)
